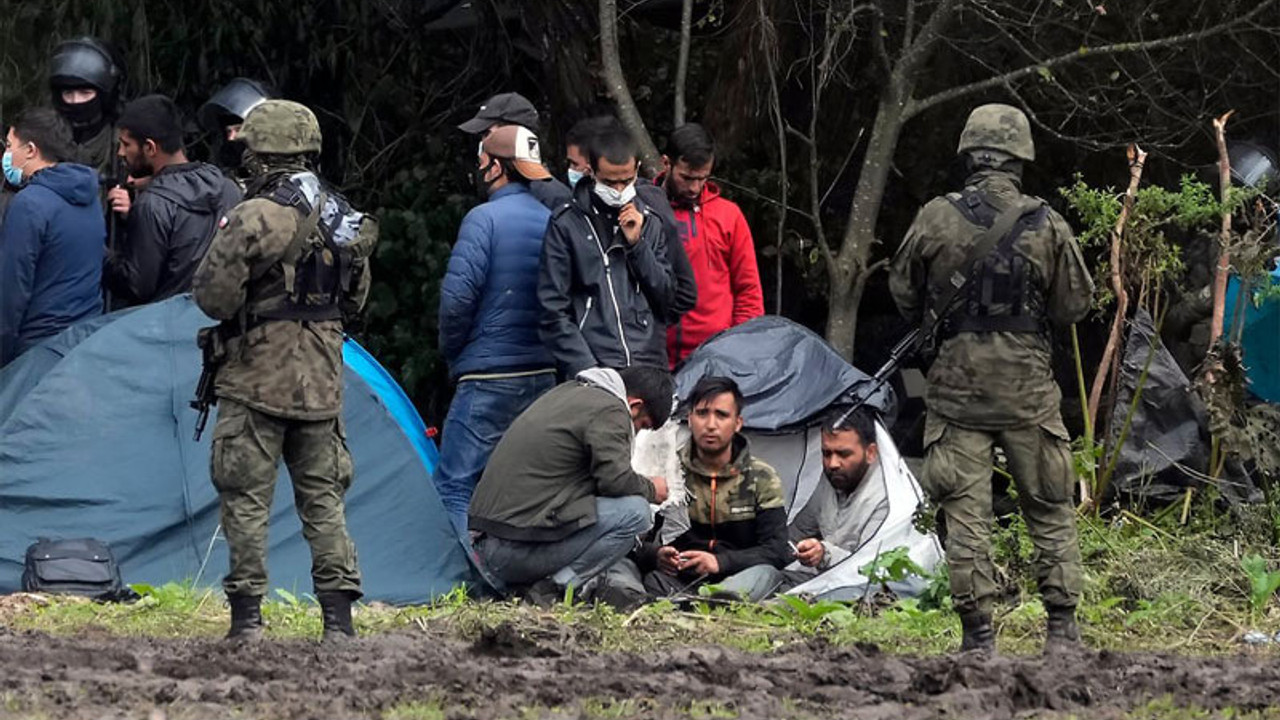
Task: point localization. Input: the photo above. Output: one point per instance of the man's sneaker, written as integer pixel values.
(544, 594)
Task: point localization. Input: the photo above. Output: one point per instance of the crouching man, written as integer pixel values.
(737, 537)
(844, 511)
(558, 502)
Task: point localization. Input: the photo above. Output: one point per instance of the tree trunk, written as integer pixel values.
(1223, 269)
(848, 276)
(682, 62)
(616, 82)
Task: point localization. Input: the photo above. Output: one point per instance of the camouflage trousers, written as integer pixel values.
(247, 447)
(957, 476)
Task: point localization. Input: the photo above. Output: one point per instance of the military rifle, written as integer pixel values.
(925, 337)
(118, 177)
(213, 352)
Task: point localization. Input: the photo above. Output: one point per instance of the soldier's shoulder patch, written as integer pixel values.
(223, 222)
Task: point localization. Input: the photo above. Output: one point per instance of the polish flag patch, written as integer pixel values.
(223, 222)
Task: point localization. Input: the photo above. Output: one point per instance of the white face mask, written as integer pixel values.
(615, 198)
(575, 177)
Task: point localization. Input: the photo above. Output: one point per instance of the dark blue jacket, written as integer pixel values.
(51, 249)
(489, 297)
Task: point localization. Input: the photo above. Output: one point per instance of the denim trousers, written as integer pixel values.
(480, 413)
(572, 560)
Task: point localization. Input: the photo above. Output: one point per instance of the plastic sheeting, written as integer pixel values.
(1165, 430)
(1259, 339)
(787, 374)
(898, 488)
(96, 440)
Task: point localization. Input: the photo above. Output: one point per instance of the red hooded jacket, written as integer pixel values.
(720, 249)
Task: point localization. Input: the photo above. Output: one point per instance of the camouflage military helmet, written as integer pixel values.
(281, 127)
(998, 127)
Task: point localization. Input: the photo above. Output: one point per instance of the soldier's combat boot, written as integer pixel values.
(978, 633)
(246, 618)
(335, 609)
(1063, 632)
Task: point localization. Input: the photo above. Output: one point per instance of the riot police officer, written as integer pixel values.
(85, 80)
(222, 116)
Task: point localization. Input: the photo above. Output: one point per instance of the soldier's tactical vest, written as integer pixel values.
(316, 276)
(1005, 291)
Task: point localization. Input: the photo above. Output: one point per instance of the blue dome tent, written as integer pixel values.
(96, 440)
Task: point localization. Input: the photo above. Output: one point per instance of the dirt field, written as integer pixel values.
(507, 674)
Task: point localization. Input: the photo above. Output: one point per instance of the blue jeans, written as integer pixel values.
(480, 413)
(573, 560)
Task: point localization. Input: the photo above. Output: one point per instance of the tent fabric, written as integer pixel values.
(1260, 338)
(96, 440)
(786, 372)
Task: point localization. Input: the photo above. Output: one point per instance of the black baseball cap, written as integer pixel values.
(509, 108)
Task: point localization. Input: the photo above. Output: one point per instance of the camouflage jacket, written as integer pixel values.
(286, 368)
(739, 514)
(990, 380)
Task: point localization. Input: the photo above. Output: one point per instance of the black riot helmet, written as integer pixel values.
(231, 104)
(85, 63)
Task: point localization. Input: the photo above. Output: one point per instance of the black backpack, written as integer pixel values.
(75, 567)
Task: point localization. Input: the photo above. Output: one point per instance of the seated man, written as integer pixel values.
(558, 502)
(837, 520)
(737, 535)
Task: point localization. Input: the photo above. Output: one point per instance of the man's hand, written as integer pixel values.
(631, 221)
(119, 201)
(668, 560)
(659, 489)
(810, 552)
(702, 563)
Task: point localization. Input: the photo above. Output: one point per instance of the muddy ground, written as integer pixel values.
(509, 674)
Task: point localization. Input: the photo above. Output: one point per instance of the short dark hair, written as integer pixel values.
(861, 421)
(654, 386)
(155, 118)
(711, 386)
(586, 129)
(692, 143)
(48, 131)
(613, 143)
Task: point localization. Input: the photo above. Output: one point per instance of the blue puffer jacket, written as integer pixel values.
(51, 249)
(489, 298)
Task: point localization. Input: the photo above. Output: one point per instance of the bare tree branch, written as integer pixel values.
(916, 106)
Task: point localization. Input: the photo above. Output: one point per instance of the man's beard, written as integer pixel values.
(850, 481)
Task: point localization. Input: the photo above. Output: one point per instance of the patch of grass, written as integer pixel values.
(415, 710)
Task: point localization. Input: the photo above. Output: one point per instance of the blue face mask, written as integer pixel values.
(11, 173)
(575, 177)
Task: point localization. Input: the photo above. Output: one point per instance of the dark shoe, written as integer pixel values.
(545, 593)
(620, 598)
(246, 617)
(978, 633)
(1063, 632)
(335, 610)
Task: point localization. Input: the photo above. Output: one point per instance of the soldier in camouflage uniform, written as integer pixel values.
(281, 275)
(992, 382)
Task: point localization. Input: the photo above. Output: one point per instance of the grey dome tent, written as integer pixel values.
(790, 378)
(96, 440)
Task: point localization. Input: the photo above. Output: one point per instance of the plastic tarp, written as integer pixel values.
(787, 374)
(1165, 430)
(96, 440)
